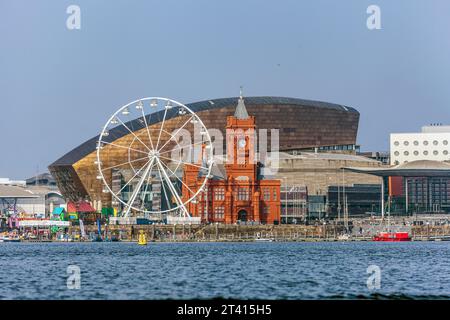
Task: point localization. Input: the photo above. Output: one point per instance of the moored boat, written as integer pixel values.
(10, 239)
(344, 237)
(264, 240)
(392, 236)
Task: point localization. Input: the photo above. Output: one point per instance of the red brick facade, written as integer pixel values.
(239, 195)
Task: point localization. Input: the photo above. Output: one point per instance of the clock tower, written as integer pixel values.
(240, 138)
(242, 196)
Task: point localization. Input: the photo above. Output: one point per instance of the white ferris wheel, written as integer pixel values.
(141, 156)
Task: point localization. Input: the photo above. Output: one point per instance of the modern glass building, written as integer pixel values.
(421, 186)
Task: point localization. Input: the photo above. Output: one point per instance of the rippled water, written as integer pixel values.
(228, 270)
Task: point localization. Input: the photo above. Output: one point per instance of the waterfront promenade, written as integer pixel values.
(220, 232)
(424, 229)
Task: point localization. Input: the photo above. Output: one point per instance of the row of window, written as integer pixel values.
(425, 153)
(339, 147)
(425, 143)
(243, 194)
(219, 212)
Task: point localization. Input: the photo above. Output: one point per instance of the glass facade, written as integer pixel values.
(294, 205)
(428, 194)
(344, 147)
(361, 199)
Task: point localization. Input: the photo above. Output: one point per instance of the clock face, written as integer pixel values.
(241, 143)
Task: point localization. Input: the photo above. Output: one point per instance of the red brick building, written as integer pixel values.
(235, 191)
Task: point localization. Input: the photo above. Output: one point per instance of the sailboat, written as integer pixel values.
(391, 236)
(346, 236)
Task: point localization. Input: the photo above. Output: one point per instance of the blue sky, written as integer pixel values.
(58, 86)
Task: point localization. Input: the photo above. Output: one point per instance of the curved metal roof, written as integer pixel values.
(15, 192)
(419, 168)
(89, 146)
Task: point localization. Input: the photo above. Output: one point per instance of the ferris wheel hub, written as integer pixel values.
(153, 154)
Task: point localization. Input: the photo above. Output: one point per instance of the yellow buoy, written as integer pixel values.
(142, 239)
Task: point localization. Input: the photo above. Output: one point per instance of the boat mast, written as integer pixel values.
(338, 200)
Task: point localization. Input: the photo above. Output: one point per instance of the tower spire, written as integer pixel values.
(241, 110)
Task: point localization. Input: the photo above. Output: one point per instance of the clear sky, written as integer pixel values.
(58, 86)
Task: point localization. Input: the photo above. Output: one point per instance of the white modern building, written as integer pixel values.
(9, 182)
(32, 200)
(432, 143)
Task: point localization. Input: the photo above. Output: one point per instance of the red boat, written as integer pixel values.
(392, 236)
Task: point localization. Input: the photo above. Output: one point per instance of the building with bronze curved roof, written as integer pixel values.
(304, 125)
